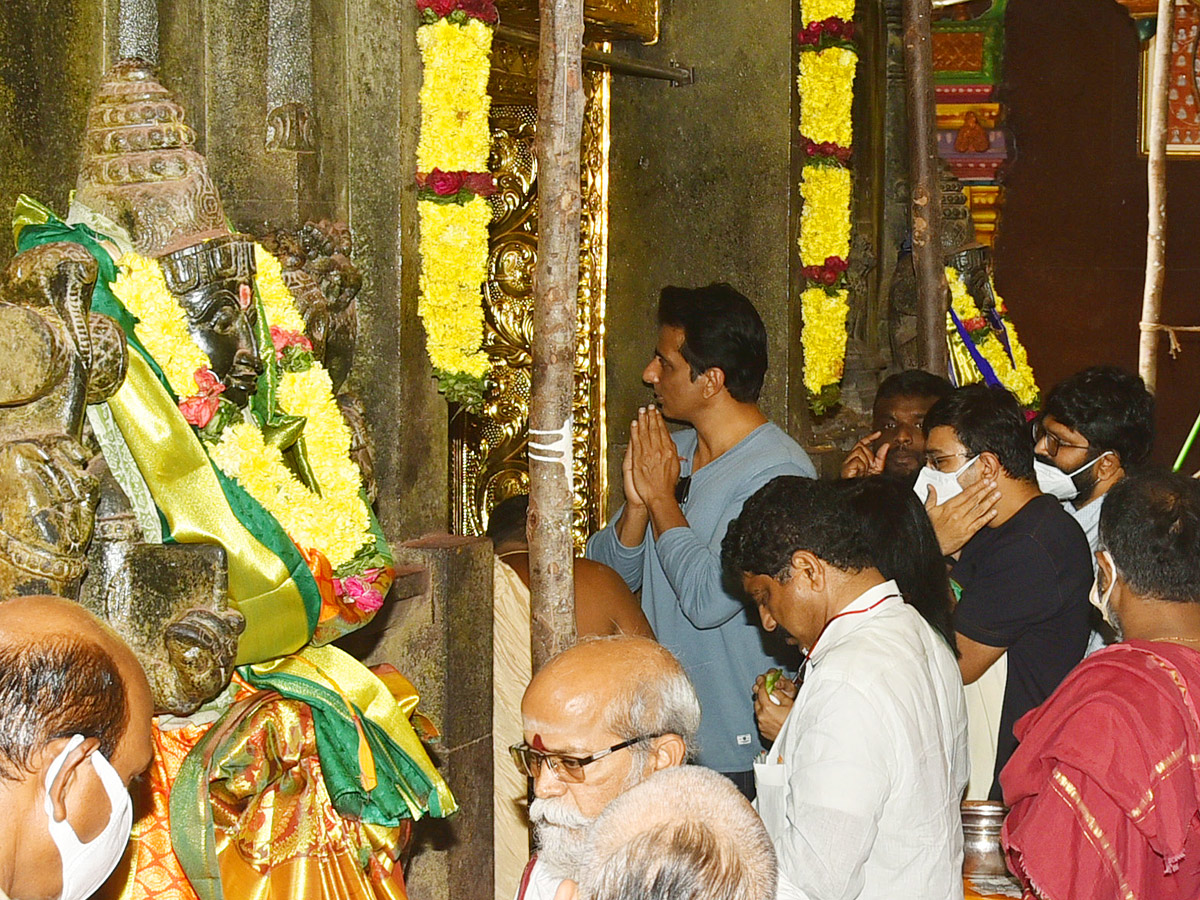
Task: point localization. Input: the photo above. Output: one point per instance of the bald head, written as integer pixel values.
(64, 672)
(633, 686)
(682, 834)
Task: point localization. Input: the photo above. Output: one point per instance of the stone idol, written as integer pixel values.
(174, 455)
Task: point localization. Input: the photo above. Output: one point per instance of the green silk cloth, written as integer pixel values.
(270, 584)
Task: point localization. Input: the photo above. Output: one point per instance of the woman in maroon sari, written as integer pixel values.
(1104, 788)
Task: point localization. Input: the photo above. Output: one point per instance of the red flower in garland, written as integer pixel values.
(483, 10)
(441, 8)
(482, 184)
(284, 339)
(199, 408)
(444, 184)
(975, 324)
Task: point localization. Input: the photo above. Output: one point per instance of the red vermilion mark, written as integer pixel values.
(537, 743)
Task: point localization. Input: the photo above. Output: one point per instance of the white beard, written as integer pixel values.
(561, 832)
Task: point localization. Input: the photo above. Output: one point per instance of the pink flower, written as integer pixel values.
(974, 324)
(360, 591)
(284, 339)
(444, 184)
(199, 408)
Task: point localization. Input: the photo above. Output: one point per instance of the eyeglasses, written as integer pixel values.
(1052, 442)
(565, 768)
(936, 461)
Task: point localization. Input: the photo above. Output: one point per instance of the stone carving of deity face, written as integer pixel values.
(211, 281)
(46, 515)
(975, 266)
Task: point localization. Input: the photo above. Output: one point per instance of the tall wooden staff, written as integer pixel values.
(1156, 178)
(556, 284)
(932, 292)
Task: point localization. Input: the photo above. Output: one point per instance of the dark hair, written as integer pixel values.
(55, 688)
(1150, 523)
(721, 329)
(987, 419)
(904, 547)
(913, 383)
(507, 521)
(1108, 406)
(792, 513)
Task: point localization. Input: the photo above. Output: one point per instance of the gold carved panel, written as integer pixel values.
(489, 451)
(604, 20)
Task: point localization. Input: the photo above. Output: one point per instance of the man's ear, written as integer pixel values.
(809, 567)
(989, 466)
(667, 751)
(567, 890)
(714, 381)
(1109, 467)
(68, 775)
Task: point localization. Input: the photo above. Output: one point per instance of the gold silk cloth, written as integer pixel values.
(278, 835)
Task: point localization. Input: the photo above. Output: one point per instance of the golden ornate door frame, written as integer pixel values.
(488, 452)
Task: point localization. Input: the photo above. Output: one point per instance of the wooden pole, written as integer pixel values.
(932, 293)
(556, 286)
(1156, 184)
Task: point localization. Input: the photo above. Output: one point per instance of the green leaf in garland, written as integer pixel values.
(463, 389)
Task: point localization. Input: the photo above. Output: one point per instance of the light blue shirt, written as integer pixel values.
(715, 634)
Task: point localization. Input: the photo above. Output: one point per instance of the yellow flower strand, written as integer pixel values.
(162, 325)
(277, 300)
(826, 84)
(455, 135)
(1015, 374)
(823, 337)
(454, 252)
(819, 10)
(825, 219)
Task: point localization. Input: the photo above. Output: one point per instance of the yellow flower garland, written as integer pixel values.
(825, 219)
(455, 137)
(161, 327)
(818, 10)
(826, 84)
(337, 522)
(823, 337)
(1015, 374)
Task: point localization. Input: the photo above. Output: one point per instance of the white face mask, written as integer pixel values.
(87, 866)
(1054, 481)
(944, 483)
(1104, 603)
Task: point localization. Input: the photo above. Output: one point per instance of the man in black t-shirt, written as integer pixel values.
(1025, 575)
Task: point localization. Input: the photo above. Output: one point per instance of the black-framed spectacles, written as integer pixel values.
(1053, 443)
(565, 768)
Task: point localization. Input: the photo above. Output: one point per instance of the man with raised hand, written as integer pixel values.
(681, 491)
(896, 445)
(75, 710)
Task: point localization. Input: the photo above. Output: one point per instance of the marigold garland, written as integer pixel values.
(335, 522)
(1015, 373)
(161, 327)
(452, 156)
(828, 62)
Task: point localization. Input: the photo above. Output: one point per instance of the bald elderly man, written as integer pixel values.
(598, 719)
(682, 834)
(75, 711)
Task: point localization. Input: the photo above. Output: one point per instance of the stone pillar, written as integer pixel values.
(442, 642)
(137, 30)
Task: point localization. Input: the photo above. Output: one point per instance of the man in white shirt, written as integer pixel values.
(598, 719)
(860, 792)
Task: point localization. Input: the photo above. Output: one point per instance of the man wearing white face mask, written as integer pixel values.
(1104, 789)
(1095, 427)
(1025, 575)
(75, 711)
